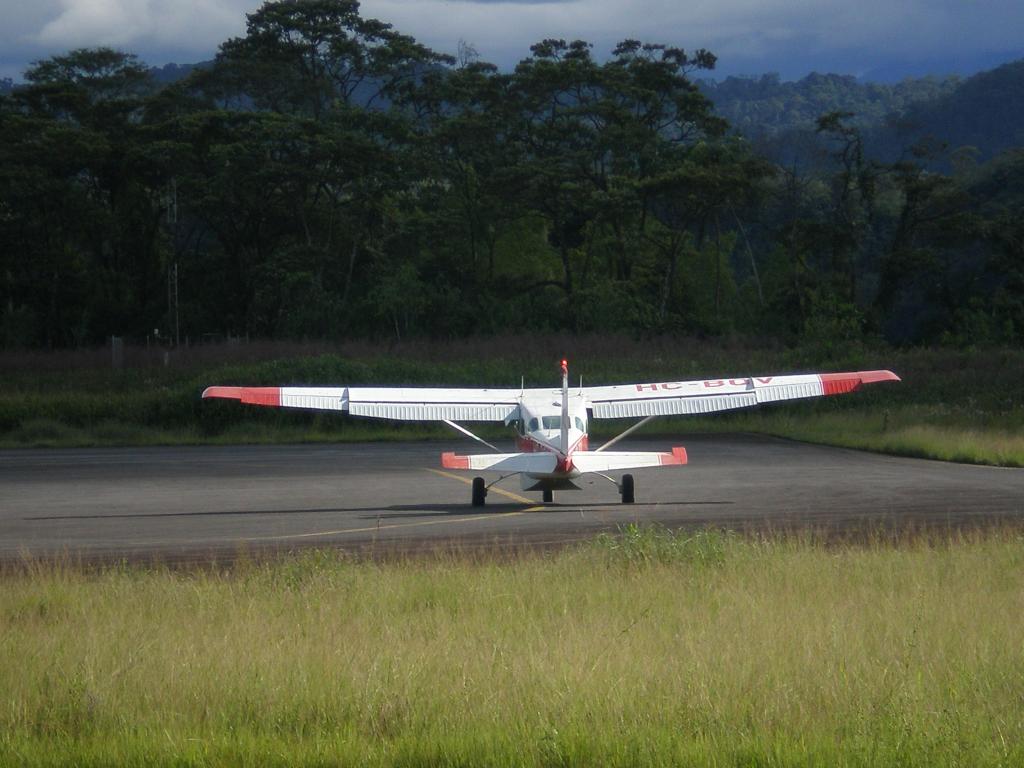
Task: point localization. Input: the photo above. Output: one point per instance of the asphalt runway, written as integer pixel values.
(193, 503)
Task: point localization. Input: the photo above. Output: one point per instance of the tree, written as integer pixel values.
(690, 196)
(311, 56)
(591, 134)
(85, 223)
(853, 197)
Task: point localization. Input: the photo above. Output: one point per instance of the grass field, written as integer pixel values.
(957, 405)
(645, 649)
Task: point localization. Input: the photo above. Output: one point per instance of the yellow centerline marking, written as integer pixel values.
(502, 491)
(390, 526)
(385, 527)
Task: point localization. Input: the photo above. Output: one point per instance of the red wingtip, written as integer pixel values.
(870, 377)
(451, 460)
(252, 395)
(677, 457)
(841, 383)
(229, 393)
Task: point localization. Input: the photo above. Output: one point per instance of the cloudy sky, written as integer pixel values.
(881, 39)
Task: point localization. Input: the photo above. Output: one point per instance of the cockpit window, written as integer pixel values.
(552, 422)
(534, 426)
(579, 424)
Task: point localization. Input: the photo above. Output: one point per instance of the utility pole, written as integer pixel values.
(177, 325)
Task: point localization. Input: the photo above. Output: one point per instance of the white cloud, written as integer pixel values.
(742, 28)
(786, 35)
(196, 25)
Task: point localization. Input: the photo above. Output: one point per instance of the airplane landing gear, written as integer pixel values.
(548, 496)
(626, 489)
(479, 491)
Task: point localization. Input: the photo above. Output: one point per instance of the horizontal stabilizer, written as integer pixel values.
(539, 463)
(604, 461)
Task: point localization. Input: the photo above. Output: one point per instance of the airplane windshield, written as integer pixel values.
(552, 422)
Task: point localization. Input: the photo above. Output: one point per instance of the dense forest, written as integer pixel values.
(980, 116)
(328, 177)
(767, 105)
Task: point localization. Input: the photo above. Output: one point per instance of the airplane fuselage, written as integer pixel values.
(539, 430)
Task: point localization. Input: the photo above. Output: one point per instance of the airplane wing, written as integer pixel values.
(710, 395)
(404, 404)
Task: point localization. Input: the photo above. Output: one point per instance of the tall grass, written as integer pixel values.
(642, 649)
(917, 431)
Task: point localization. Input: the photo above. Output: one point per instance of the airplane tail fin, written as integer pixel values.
(564, 443)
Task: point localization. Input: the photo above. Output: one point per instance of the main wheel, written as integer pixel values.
(479, 491)
(626, 489)
(549, 495)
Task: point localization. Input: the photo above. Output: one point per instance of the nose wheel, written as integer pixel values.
(479, 491)
(548, 495)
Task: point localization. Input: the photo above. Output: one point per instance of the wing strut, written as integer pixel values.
(628, 432)
(466, 432)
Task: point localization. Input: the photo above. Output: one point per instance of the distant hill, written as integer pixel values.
(165, 75)
(172, 73)
(952, 61)
(765, 106)
(985, 112)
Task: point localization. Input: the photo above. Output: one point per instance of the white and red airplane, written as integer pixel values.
(551, 424)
